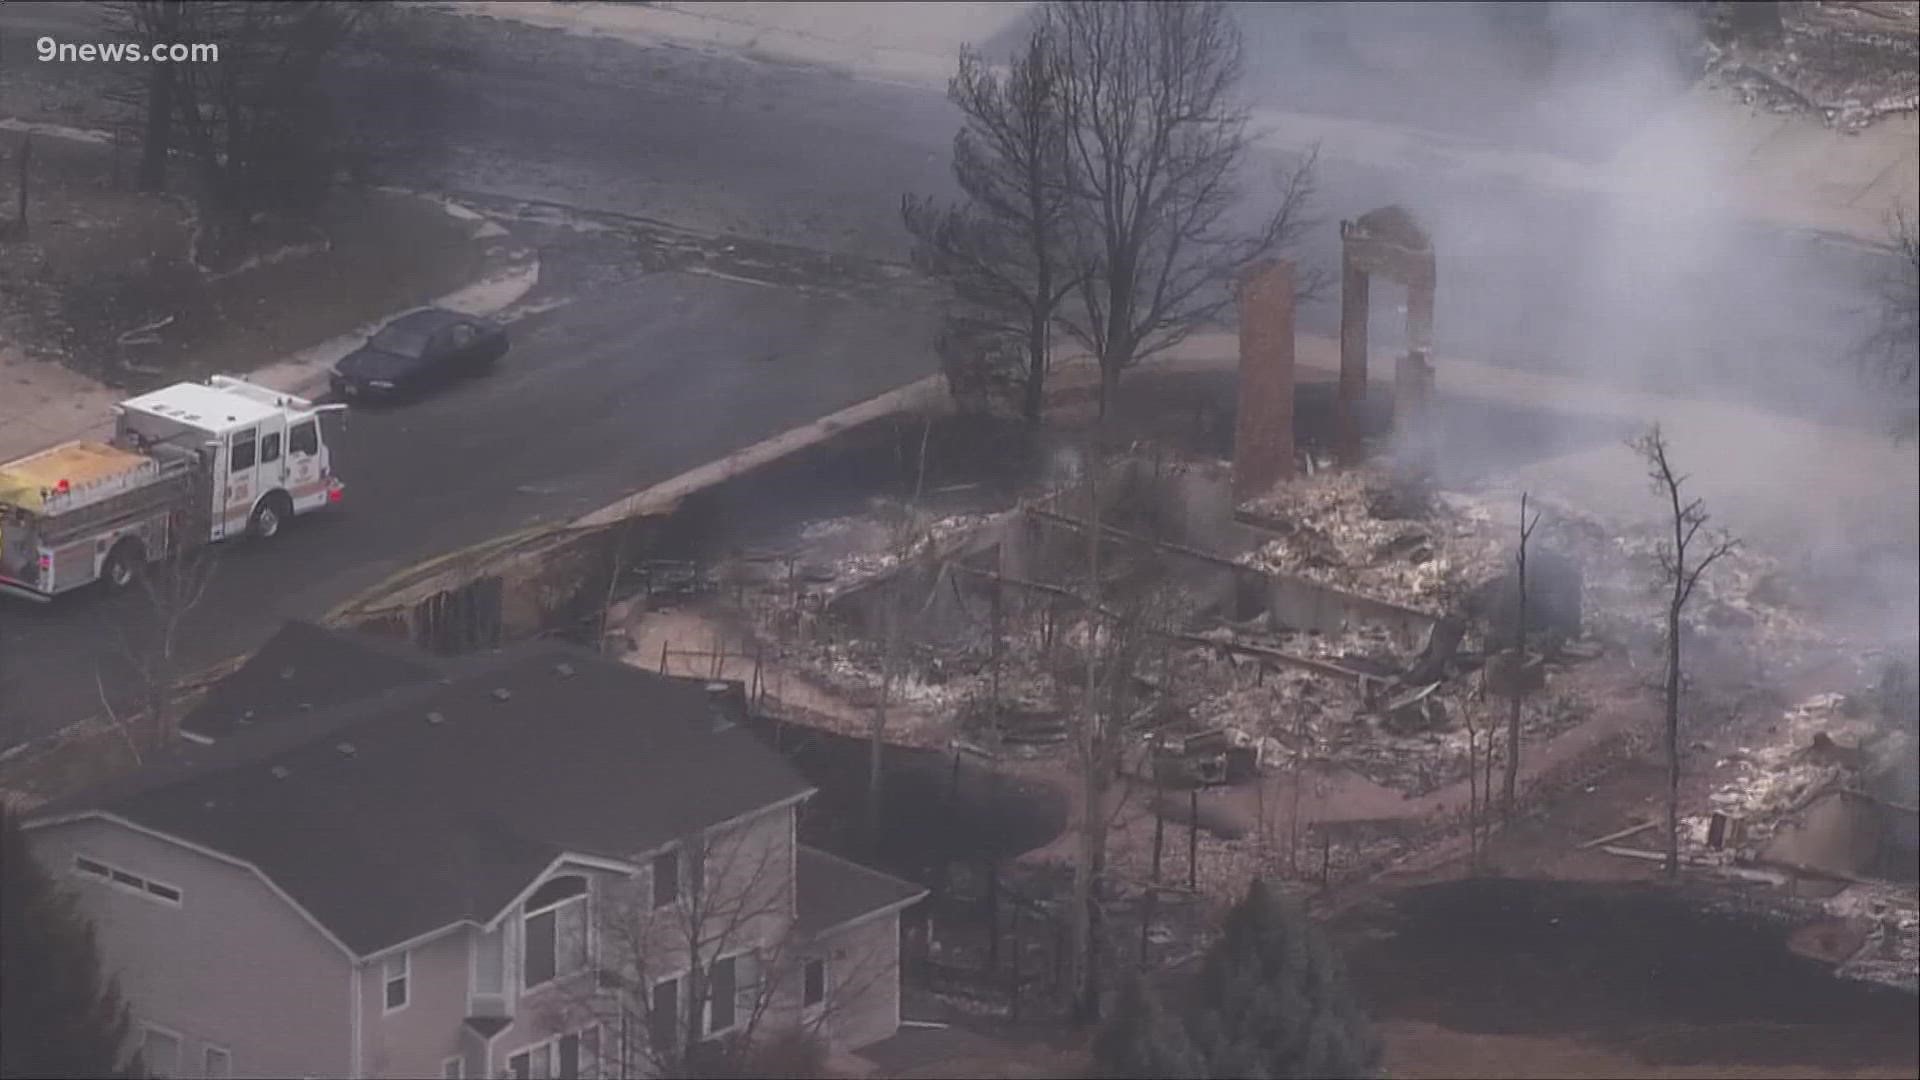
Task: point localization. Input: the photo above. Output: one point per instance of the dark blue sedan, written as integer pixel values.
(416, 351)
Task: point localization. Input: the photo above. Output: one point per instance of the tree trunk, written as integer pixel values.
(1094, 776)
(1673, 739)
(1034, 401)
(1109, 387)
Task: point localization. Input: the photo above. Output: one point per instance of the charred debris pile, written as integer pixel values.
(1346, 634)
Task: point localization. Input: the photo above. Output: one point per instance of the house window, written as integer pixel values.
(303, 438)
(663, 1015)
(813, 979)
(393, 971)
(573, 1056)
(556, 930)
(159, 1052)
(529, 1064)
(721, 998)
(666, 879)
(218, 1064)
(131, 882)
(453, 1068)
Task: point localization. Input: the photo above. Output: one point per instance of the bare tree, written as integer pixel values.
(1119, 631)
(705, 974)
(172, 587)
(258, 124)
(1511, 795)
(149, 92)
(1684, 558)
(896, 611)
(1003, 250)
(1155, 141)
(1891, 350)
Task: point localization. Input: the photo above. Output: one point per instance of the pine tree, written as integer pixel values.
(1270, 1001)
(58, 1016)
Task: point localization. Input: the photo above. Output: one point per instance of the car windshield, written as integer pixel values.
(407, 337)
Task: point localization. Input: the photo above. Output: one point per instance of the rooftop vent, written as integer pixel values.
(501, 693)
(436, 718)
(247, 717)
(565, 671)
(346, 748)
(286, 673)
(281, 772)
(306, 706)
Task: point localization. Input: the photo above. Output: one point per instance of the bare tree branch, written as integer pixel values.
(1003, 250)
(1680, 576)
(1155, 144)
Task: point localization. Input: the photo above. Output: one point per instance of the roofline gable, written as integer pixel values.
(199, 849)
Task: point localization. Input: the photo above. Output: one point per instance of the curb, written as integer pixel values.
(655, 499)
(304, 373)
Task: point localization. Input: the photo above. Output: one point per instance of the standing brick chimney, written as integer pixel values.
(1263, 433)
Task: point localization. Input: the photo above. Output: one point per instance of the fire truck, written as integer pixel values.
(190, 464)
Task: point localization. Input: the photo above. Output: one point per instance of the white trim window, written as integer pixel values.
(396, 973)
(732, 986)
(159, 1051)
(454, 1068)
(555, 930)
(125, 881)
(572, 1056)
(216, 1063)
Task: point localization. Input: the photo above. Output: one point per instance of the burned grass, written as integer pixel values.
(1670, 977)
(123, 288)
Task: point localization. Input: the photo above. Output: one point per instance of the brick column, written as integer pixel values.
(1263, 430)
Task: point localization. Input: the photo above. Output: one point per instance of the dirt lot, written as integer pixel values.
(110, 282)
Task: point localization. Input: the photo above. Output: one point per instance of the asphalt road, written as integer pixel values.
(615, 392)
(636, 384)
(1529, 275)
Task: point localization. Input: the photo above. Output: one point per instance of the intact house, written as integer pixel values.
(536, 863)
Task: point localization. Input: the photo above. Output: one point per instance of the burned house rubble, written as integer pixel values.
(1343, 635)
(1849, 64)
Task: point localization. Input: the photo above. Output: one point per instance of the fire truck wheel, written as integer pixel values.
(269, 516)
(124, 564)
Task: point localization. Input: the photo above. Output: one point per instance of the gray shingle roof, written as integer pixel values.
(386, 825)
(832, 891)
(303, 667)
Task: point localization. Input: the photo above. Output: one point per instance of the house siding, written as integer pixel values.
(417, 1039)
(863, 983)
(234, 966)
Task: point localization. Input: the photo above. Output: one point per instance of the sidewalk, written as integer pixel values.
(1784, 170)
(44, 403)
